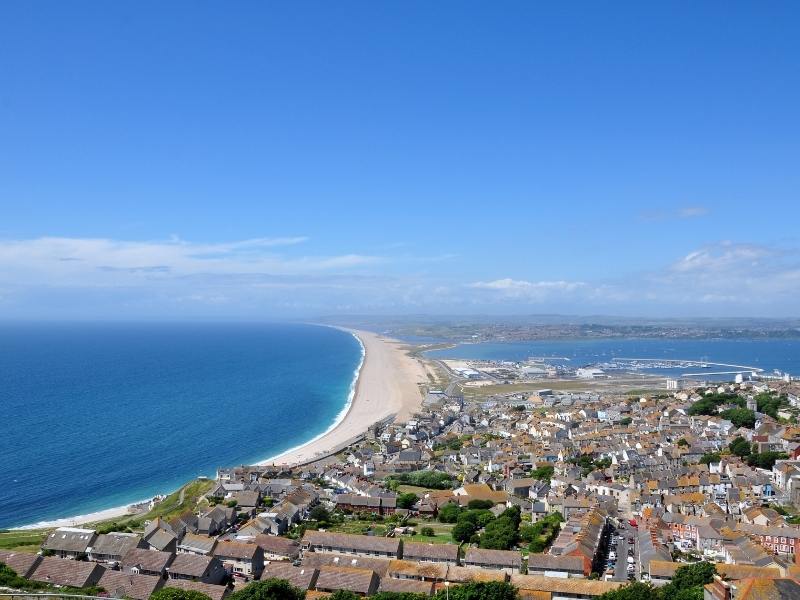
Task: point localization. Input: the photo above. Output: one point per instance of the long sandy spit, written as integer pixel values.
(388, 384)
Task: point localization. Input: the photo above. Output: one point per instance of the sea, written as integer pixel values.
(769, 354)
(100, 415)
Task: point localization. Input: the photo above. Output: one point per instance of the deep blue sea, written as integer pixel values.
(767, 354)
(101, 415)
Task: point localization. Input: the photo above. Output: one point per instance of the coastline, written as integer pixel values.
(382, 373)
(94, 517)
(387, 385)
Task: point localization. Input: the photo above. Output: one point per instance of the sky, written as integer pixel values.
(262, 160)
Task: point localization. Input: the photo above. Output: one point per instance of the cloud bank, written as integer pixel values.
(59, 277)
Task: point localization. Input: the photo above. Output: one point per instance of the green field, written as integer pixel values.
(22, 541)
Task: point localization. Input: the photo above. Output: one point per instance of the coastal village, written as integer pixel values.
(561, 494)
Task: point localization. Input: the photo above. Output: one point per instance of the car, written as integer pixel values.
(612, 555)
(631, 561)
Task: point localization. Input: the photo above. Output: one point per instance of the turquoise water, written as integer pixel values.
(101, 415)
(767, 354)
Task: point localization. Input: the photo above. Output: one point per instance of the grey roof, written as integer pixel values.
(61, 571)
(301, 577)
(215, 592)
(192, 565)
(22, 563)
(69, 539)
(146, 560)
(125, 585)
(115, 544)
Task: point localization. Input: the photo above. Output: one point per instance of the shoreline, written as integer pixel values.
(351, 395)
(386, 386)
(354, 418)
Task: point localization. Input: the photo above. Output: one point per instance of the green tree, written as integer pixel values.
(543, 473)
(269, 589)
(320, 514)
(710, 457)
(766, 460)
(407, 500)
(740, 447)
(463, 530)
(688, 581)
(683, 443)
(427, 531)
(398, 596)
(177, 594)
(449, 512)
(491, 590)
(741, 417)
(635, 590)
(478, 503)
(625, 421)
(500, 534)
(344, 595)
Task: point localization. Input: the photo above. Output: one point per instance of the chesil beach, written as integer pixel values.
(387, 384)
(312, 388)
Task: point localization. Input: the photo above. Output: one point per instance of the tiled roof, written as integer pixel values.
(123, 585)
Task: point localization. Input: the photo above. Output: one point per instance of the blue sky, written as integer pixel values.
(258, 160)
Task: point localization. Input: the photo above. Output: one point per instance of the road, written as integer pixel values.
(621, 569)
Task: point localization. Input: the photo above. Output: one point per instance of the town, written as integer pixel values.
(556, 494)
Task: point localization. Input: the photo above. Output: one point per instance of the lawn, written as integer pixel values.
(29, 540)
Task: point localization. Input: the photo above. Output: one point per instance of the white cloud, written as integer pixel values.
(684, 212)
(531, 290)
(87, 261)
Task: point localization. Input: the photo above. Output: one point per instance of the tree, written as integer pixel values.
(741, 417)
(478, 503)
(635, 590)
(543, 473)
(688, 582)
(177, 594)
(427, 531)
(269, 589)
(740, 447)
(625, 421)
(407, 500)
(765, 460)
(683, 443)
(500, 534)
(449, 512)
(398, 596)
(463, 530)
(320, 514)
(344, 595)
(710, 457)
(491, 590)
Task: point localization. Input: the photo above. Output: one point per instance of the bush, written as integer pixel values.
(320, 514)
(407, 500)
(740, 447)
(343, 595)
(269, 589)
(449, 512)
(490, 590)
(544, 473)
(477, 503)
(177, 594)
(427, 479)
(741, 417)
(427, 531)
(463, 530)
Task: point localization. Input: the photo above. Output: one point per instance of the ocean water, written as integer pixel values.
(101, 415)
(768, 354)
